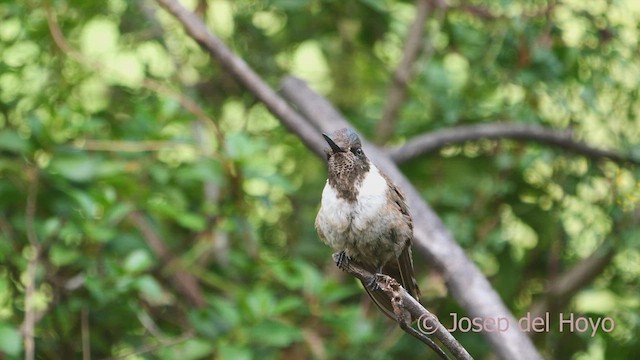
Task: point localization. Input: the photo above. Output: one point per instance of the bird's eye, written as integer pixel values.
(357, 151)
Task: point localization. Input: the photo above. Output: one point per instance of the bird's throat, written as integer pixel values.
(347, 183)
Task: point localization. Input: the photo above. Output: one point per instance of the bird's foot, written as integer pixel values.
(373, 284)
(343, 260)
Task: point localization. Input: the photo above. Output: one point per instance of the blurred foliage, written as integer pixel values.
(164, 213)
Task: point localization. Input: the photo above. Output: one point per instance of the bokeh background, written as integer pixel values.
(150, 207)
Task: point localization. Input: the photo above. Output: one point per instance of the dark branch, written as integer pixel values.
(398, 89)
(182, 280)
(560, 292)
(433, 141)
(406, 308)
(432, 240)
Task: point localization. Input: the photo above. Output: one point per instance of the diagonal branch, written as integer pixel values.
(467, 284)
(428, 324)
(433, 141)
(399, 81)
(185, 282)
(432, 240)
(245, 75)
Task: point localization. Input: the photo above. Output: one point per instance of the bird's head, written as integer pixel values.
(344, 155)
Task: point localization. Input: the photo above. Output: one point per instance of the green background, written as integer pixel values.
(150, 207)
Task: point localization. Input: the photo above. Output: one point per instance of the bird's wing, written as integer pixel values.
(402, 269)
(405, 260)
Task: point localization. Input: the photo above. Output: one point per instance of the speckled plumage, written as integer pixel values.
(365, 215)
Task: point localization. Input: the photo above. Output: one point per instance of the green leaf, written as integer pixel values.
(118, 212)
(291, 4)
(84, 168)
(152, 291)
(192, 221)
(274, 333)
(261, 303)
(80, 169)
(227, 312)
(204, 170)
(61, 255)
(189, 350)
(239, 146)
(12, 142)
(235, 352)
(138, 261)
(596, 301)
(10, 340)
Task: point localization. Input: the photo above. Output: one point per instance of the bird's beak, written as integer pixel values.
(333, 145)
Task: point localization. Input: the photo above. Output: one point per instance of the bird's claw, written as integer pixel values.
(343, 259)
(373, 284)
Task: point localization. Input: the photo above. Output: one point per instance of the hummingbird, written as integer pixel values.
(364, 217)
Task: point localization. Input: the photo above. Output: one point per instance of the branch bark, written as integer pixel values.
(399, 81)
(433, 141)
(468, 286)
(428, 323)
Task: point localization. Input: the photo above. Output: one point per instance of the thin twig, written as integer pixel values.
(394, 290)
(398, 88)
(433, 141)
(32, 265)
(86, 335)
(424, 339)
(185, 282)
(407, 307)
(128, 146)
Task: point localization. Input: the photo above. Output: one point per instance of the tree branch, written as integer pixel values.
(399, 81)
(432, 240)
(433, 141)
(560, 292)
(30, 311)
(85, 333)
(467, 284)
(428, 324)
(245, 75)
(182, 280)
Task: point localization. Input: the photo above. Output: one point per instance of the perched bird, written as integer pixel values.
(364, 216)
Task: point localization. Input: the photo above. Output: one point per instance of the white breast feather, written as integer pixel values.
(372, 197)
(339, 216)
